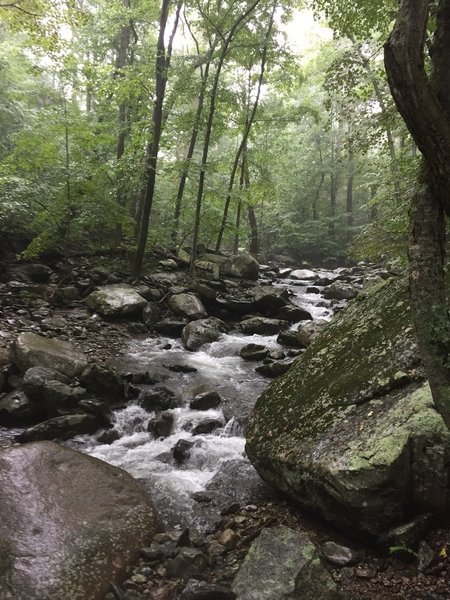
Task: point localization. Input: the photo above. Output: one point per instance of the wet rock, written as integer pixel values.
(159, 398)
(222, 488)
(245, 266)
(61, 398)
(187, 305)
(205, 401)
(338, 555)
(108, 437)
(202, 331)
(254, 352)
(394, 465)
(116, 300)
(284, 272)
(182, 450)
(102, 380)
(340, 291)
(34, 380)
(180, 368)
(200, 590)
(312, 290)
(16, 408)
(188, 562)
(161, 425)
(98, 409)
(290, 338)
(275, 369)
(32, 350)
(262, 326)
(151, 315)
(236, 305)
(308, 332)
(303, 274)
(207, 426)
(61, 428)
(283, 564)
(171, 326)
(293, 314)
(409, 534)
(62, 536)
(268, 300)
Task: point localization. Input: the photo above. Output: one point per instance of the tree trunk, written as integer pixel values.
(163, 57)
(350, 196)
(425, 108)
(212, 108)
(249, 122)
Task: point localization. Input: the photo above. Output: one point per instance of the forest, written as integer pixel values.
(224, 323)
(126, 127)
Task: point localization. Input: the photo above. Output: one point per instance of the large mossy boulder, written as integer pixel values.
(70, 524)
(32, 350)
(350, 431)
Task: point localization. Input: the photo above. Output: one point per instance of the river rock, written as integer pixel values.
(283, 564)
(207, 426)
(171, 326)
(343, 435)
(182, 450)
(276, 368)
(303, 275)
(245, 266)
(307, 332)
(205, 401)
(61, 428)
(38, 273)
(270, 299)
(338, 555)
(262, 325)
(159, 398)
(151, 315)
(202, 331)
(61, 398)
(201, 590)
(187, 305)
(239, 305)
(293, 314)
(16, 408)
(187, 562)
(34, 380)
(32, 350)
(161, 425)
(69, 523)
(340, 291)
(290, 338)
(102, 380)
(116, 300)
(253, 352)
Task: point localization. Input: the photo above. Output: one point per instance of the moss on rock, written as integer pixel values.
(341, 431)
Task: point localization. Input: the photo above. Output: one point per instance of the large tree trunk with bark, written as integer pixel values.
(425, 107)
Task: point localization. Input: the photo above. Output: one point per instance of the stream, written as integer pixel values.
(218, 367)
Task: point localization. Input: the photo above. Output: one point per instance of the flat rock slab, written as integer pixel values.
(69, 523)
(32, 350)
(283, 564)
(115, 300)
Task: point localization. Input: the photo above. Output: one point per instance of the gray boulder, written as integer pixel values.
(60, 428)
(205, 401)
(70, 524)
(283, 564)
(202, 331)
(340, 291)
(32, 350)
(187, 305)
(349, 431)
(102, 380)
(17, 408)
(151, 315)
(303, 275)
(60, 398)
(269, 300)
(34, 381)
(245, 266)
(115, 300)
(262, 325)
(254, 352)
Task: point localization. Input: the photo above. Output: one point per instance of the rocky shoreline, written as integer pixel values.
(194, 565)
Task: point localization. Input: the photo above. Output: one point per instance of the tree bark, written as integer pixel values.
(248, 124)
(212, 109)
(424, 105)
(163, 57)
(350, 195)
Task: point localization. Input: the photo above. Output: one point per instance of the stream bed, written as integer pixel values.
(216, 471)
